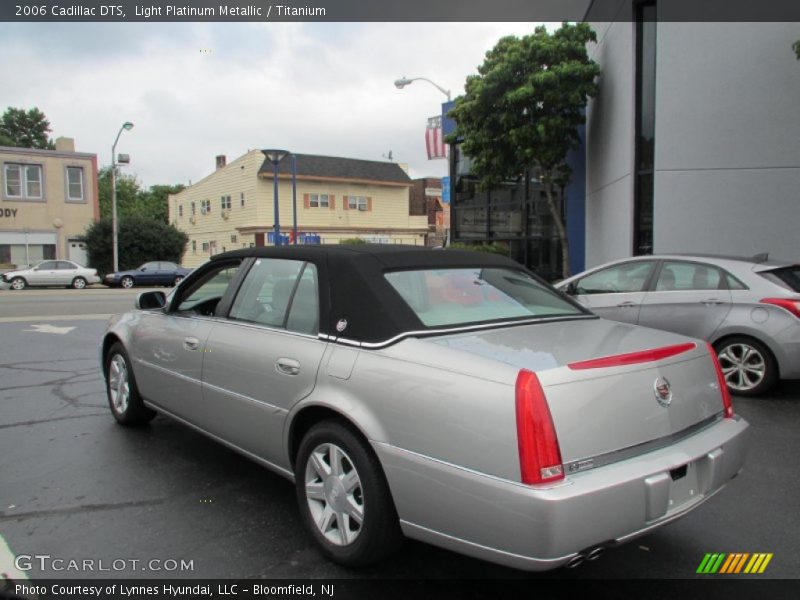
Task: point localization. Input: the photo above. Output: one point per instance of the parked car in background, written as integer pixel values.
(150, 273)
(747, 308)
(453, 397)
(52, 273)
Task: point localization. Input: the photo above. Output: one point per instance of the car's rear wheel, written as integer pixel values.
(126, 282)
(18, 283)
(343, 496)
(79, 283)
(749, 367)
(123, 395)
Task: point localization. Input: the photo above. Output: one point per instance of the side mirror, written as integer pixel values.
(571, 289)
(150, 300)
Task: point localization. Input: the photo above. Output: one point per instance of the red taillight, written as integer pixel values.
(539, 454)
(633, 358)
(790, 304)
(723, 387)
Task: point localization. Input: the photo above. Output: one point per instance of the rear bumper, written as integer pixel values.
(539, 528)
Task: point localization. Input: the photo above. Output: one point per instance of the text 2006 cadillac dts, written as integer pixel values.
(451, 397)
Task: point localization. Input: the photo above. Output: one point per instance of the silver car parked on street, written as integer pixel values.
(451, 397)
(64, 273)
(747, 308)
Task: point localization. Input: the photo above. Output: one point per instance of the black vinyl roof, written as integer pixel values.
(312, 165)
(354, 288)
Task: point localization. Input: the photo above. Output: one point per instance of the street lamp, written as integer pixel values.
(126, 126)
(404, 81)
(276, 156)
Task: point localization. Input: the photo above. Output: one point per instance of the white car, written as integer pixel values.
(52, 272)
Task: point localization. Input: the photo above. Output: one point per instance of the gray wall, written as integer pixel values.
(727, 149)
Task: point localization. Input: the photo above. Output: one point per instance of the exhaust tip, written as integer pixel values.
(595, 553)
(576, 561)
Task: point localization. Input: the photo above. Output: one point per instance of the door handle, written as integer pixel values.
(287, 366)
(711, 302)
(191, 343)
(627, 304)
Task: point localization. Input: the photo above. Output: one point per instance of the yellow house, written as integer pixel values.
(337, 198)
(48, 199)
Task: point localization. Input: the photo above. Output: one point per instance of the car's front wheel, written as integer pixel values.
(79, 283)
(126, 282)
(749, 367)
(343, 496)
(123, 395)
(18, 283)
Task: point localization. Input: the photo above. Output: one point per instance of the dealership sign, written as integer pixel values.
(8, 213)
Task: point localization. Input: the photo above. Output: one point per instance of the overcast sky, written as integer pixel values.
(309, 88)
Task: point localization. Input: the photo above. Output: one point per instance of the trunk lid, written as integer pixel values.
(602, 410)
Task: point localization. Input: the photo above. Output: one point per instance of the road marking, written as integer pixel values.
(47, 328)
(7, 568)
(97, 317)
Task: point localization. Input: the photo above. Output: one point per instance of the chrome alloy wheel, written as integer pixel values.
(18, 283)
(334, 494)
(126, 282)
(119, 385)
(743, 365)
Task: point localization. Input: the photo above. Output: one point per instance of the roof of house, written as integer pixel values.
(336, 167)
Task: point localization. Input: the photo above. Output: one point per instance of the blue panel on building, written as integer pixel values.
(446, 190)
(448, 124)
(576, 206)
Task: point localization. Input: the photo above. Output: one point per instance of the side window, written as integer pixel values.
(64, 265)
(48, 265)
(204, 295)
(267, 292)
(733, 283)
(304, 313)
(627, 277)
(685, 276)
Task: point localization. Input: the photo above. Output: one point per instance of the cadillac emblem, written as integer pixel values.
(341, 325)
(663, 391)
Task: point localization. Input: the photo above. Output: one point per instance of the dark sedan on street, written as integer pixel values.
(151, 273)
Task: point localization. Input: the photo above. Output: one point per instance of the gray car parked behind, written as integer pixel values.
(747, 308)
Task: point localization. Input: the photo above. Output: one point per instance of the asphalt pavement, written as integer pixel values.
(75, 485)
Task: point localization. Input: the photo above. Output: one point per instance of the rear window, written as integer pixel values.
(442, 297)
(790, 276)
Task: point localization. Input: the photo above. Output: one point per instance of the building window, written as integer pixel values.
(645, 127)
(233, 239)
(194, 246)
(205, 246)
(225, 202)
(23, 182)
(318, 201)
(194, 209)
(241, 199)
(180, 210)
(357, 203)
(75, 184)
(205, 207)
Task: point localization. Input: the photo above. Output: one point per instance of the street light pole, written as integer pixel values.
(275, 156)
(404, 81)
(126, 126)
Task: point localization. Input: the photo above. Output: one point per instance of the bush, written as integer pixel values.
(140, 240)
(494, 247)
(352, 241)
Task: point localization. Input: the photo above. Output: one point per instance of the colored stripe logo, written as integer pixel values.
(734, 563)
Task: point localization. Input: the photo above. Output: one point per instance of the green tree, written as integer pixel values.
(796, 47)
(523, 108)
(25, 129)
(132, 199)
(140, 240)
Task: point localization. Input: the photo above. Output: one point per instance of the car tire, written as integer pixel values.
(78, 283)
(127, 282)
(749, 367)
(18, 283)
(123, 395)
(340, 482)
(177, 281)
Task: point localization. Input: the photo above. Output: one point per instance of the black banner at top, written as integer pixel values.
(383, 10)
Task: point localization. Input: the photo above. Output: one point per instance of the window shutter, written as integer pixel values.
(332, 201)
(345, 203)
(306, 201)
(369, 203)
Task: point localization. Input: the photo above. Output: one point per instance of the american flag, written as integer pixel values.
(434, 140)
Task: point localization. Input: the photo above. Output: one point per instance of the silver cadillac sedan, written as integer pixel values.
(450, 397)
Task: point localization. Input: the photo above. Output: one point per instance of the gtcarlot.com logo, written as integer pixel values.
(734, 563)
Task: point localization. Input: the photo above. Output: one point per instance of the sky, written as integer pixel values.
(196, 90)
